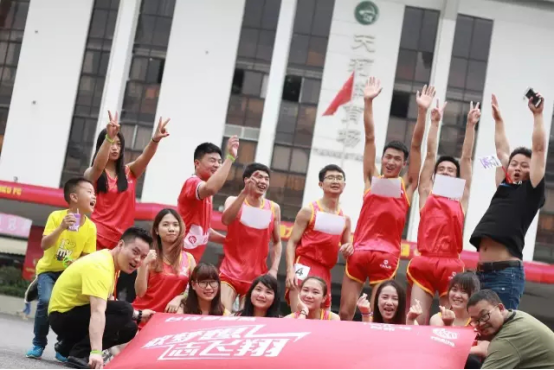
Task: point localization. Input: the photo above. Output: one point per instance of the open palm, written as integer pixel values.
(425, 98)
(372, 89)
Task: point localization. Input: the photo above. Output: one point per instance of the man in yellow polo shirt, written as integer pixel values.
(68, 235)
(81, 314)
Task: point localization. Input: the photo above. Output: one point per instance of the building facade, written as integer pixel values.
(266, 70)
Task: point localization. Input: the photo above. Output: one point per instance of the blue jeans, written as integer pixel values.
(508, 283)
(46, 282)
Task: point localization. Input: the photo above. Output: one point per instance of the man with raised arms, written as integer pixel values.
(378, 234)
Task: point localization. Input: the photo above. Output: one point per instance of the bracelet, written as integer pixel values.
(139, 318)
(367, 314)
(154, 141)
(109, 140)
(303, 313)
(95, 352)
(229, 156)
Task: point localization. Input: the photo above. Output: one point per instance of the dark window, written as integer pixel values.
(13, 16)
(82, 135)
(413, 70)
(295, 127)
(140, 101)
(466, 80)
(248, 91)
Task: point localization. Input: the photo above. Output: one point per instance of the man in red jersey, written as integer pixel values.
(253, 222)
(195, 200)
(441, 226)
(378, 233)
(320, 231)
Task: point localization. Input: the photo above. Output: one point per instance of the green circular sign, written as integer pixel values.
(366, 13)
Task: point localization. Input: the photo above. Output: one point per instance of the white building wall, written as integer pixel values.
(521, 56)
(44, 94)
(195, 90)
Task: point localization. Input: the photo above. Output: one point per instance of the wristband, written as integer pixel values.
(154, 141)
(67, 261)
(109, 140)
(95, 352)
(139, 318)
(303, 313)
(229, 156)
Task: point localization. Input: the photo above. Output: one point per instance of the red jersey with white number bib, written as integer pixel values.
(197, 216)
(381, 222)
(114, 212)
(246, 245)
(441, 227)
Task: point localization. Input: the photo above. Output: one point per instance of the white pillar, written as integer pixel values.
(195, 90)
(439, 79)
(44, 94)
(121, 56)
(277, 75)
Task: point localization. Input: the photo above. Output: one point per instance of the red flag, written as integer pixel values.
(343, 97)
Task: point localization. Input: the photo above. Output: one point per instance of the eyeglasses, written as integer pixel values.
(483, 319)
(334, 178)
(204, 284)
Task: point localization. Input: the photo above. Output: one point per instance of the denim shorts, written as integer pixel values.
(508, 283)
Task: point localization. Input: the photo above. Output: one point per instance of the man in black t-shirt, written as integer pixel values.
(500, 235)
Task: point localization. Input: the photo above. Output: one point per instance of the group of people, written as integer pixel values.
(84, 258)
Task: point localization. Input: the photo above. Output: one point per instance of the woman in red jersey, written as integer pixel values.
(262, 299)
(204, 293)
(313, 293)
(115, 184)
(164, 275)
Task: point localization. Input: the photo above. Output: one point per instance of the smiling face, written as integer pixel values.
(132, 254)
(262, 182)
(387, 303)
(262, 296)
(333, 183)
(518, 168)
(392, 163)
(84, 197)
(447, 168)
(312, 294)
(486, 318)
(458, 297)
(208, 165)
(206, 290)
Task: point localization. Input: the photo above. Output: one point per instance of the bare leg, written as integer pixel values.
(425, 300)
(228, 296)
(350, 293)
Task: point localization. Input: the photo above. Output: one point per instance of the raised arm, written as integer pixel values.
(500, 141)
(277, 248)
(411, 178)
(217, 180)
(466, 163)
(99, 164)
(234, 204)
(426, 177)
(372, 90)
(538, 145)
(139, 165)
(300, 225)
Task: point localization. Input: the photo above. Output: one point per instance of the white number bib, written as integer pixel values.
(301, 271)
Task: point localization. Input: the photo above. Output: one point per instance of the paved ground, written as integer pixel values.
(16, 336)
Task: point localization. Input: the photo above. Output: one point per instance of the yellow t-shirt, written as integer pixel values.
(92, 275)
(70, 244)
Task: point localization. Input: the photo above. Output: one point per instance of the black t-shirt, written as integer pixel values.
(513, 207)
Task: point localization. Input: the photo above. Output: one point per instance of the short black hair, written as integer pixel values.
(71, 185)
(447, 158)
(253, 167)
(484, 295)
(398, 145)
(329, 168)
(520, 150)
(134, 232)
(466, 281)
(206, 148)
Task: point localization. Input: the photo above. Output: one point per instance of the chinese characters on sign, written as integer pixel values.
(224, 342)
(14, 225)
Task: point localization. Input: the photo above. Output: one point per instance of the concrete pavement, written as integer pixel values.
(16, 336)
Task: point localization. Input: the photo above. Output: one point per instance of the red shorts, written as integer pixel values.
(240, 287)
(305, 267)
(433, 274)
(373, 265)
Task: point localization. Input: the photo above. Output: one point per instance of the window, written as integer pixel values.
(138, 114)
(82, 136)
(249, 88)
(466, 79)
(413, 70)
(544, 245)
(295, 127)
(13, 16)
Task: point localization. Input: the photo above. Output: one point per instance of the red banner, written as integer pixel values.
(211, 342)
(534, 271)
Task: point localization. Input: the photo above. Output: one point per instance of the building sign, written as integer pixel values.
(15, 226)
(366, 13)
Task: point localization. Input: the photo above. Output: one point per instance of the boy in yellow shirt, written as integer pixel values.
(68, 235)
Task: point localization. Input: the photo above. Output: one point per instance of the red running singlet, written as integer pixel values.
(246, 246)
(114, 212)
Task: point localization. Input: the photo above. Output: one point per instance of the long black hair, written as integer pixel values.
(269, 282)
(400, 315)
(102, 182)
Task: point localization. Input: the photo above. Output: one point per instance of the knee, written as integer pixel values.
(346, 313)
(43, 301)
(128, 332)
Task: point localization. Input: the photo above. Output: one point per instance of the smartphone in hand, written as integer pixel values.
(532, 95)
